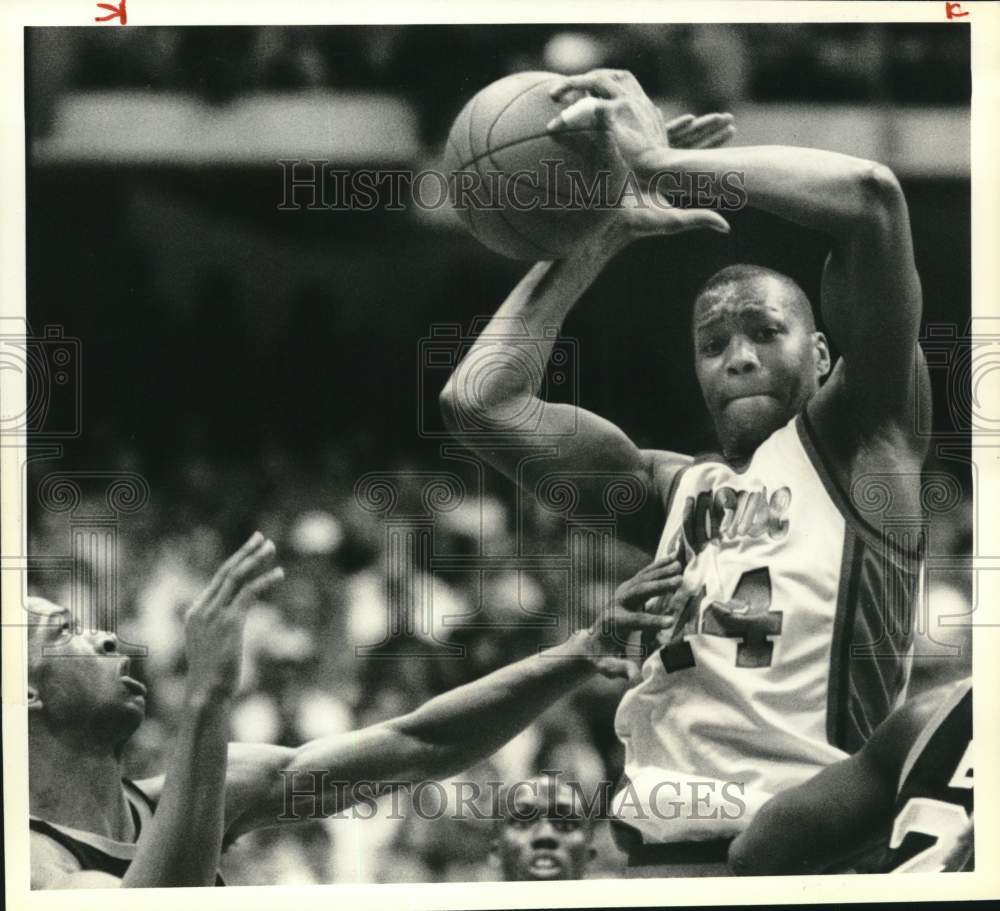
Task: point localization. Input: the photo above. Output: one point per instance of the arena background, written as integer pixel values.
(252, 364)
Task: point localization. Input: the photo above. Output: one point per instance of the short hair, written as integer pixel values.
(742, 273)
(503, 798)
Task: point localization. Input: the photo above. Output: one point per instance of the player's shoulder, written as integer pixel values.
(838, 415)
(892, 740)
(663, 467)
(860, 463)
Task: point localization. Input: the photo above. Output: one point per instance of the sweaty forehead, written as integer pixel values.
(544, 795)
(762, 293)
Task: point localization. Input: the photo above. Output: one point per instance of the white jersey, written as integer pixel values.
(792, 649)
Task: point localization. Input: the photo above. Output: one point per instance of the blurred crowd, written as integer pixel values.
(707, 66)
(328, 652)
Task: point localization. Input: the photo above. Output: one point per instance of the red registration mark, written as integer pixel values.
(115, 11)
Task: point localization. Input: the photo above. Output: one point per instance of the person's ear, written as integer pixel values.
(34, 698)
(822, 350)
(591, 853)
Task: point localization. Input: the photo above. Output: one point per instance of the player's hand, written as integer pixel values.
(213, 627)
(607, 638)
(706, 132)
(611, 104)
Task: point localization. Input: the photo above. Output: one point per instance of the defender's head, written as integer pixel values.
(757, 353)
(79, 686)
(542, 832)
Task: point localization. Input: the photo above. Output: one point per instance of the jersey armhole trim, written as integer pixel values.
(838, 694)
(867, 532)
(675, 484)
(133, 788)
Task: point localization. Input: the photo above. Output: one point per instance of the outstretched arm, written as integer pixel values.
(871, 295)
(450, 732)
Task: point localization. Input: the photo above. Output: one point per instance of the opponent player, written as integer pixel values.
(794, 647)
(907, 794)
(91, 828)
(542, 832)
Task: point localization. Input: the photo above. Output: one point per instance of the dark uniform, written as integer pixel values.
(932, 827)
(76, 850)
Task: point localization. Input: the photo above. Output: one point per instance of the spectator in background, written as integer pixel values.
(543, 832)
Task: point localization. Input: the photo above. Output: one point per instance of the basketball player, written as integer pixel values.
(92, 828)
(542, 832)
(756, 688)
(908, 791)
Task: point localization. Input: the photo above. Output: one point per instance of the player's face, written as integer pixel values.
(758, 361)
(544, 839)
(79, 681)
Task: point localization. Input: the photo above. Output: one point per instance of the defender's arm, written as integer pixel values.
(450, 732)
(838, 814)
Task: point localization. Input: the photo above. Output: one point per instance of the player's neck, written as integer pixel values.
(736, 458)
(76, 787)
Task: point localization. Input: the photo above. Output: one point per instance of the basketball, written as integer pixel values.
(522, 191)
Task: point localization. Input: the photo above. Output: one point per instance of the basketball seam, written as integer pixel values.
(543, 250)
(472, 112)
(503, 110)
(489, 153)
(557, 199)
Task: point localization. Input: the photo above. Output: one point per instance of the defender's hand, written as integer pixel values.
(707, 132)
(213, 627)
(607, 639)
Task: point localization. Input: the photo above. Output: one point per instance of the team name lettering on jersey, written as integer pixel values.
(725, 514)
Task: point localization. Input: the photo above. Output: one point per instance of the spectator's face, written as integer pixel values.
(543, 837)
(79, 683)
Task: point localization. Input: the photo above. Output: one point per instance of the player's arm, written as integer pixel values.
(871, 296)
(448, 733)
(839, 814)
(181, 845)
(497, 388)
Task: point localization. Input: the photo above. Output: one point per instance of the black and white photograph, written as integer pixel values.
(470, 451)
